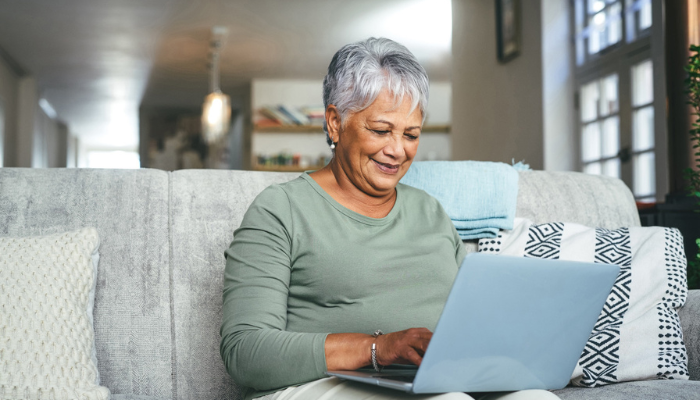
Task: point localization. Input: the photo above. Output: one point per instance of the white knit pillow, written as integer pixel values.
(638, 333)
(47, 342)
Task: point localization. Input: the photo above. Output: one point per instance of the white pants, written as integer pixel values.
(338, 389)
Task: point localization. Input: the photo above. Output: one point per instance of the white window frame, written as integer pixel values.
(619, 58)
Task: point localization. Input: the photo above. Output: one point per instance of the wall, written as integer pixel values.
(558, 87)
(50, 144)
(30, 137)
(9, 78)
(497, 109)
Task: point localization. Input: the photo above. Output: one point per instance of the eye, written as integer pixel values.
(411, 137)
(378, 132)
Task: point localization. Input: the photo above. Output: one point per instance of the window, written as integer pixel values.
(643, 131)
(598, 26)
(600, 137)
(618, 99)
(113, 159)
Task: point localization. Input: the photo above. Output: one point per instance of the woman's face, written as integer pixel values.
(377, 144)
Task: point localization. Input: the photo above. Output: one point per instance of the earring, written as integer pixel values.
(332, 146)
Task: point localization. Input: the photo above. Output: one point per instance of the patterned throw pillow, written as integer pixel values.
(638, 333)
(47, 341)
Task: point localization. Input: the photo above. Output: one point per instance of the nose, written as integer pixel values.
(394, 148)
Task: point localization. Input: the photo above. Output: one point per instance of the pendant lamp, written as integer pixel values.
(216, 111)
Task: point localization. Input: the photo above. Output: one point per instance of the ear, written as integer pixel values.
(333, 122)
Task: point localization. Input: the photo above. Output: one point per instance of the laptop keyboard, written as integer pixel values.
(402, 378)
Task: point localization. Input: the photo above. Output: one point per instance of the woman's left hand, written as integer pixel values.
(350, 351)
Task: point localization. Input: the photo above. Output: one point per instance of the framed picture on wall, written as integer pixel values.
(508, 29)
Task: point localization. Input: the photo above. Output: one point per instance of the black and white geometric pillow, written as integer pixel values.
(638, 334)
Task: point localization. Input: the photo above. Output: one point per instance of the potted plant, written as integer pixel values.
(693, 175)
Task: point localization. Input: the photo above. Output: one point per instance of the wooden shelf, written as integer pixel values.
(286, 168)
(288, 129)
(319, 129)
(436, 129)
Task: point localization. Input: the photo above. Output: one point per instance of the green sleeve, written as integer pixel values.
(460, 251)
(256, 350)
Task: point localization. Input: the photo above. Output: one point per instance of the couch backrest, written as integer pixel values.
(132, 300)
(207, 206)
(163, 236)
(589, 200)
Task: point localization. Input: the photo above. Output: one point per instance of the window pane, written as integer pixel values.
(630, 18)
(579, 15)
(597, 26)
(605, 24)
(589, 101)
(645, 15)
(595, 5)
(591, 142)
(593, 169)
(609, 100)
(594, 40)
(113, 159)
(614, 27)
(612, 168)
(642, 83)
(580, 51)
(643, 129)
(580, 44)
(637, 17)
(611, 137)
(644, 174)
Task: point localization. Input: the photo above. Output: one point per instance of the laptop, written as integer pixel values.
(509, 323)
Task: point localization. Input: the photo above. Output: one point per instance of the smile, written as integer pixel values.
(387, 168)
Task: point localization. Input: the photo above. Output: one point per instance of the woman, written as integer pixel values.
(322, 263)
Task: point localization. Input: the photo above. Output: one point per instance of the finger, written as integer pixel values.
(413, 357)
(424, 333)
(421, 347)
(421, 342)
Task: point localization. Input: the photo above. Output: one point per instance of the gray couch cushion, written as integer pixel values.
(590, 200)
(207, 206)
(132, 304)
(690, 322)
(643, 390)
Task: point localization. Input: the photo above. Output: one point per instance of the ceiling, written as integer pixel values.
(97, 61)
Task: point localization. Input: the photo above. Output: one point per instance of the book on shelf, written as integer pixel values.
(295, 115)
(275, 114)
(314, 111)
(287, 115)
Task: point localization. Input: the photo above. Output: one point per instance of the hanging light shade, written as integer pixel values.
(216, 111)
(216, 116)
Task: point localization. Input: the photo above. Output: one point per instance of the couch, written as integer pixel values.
(162, 240)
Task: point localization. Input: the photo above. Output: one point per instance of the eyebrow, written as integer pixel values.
(410, 128)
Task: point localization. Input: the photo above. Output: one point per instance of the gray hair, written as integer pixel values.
(359, 71)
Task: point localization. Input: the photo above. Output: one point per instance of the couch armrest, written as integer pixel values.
(690, 321)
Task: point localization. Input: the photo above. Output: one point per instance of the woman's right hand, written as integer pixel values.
(403, 347)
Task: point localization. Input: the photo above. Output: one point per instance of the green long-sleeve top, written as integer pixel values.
(302, 266)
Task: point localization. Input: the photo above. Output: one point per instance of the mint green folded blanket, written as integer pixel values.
(480, 197)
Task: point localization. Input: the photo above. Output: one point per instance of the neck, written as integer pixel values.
(340, 186)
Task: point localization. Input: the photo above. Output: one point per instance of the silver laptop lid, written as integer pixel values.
(513, 323)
